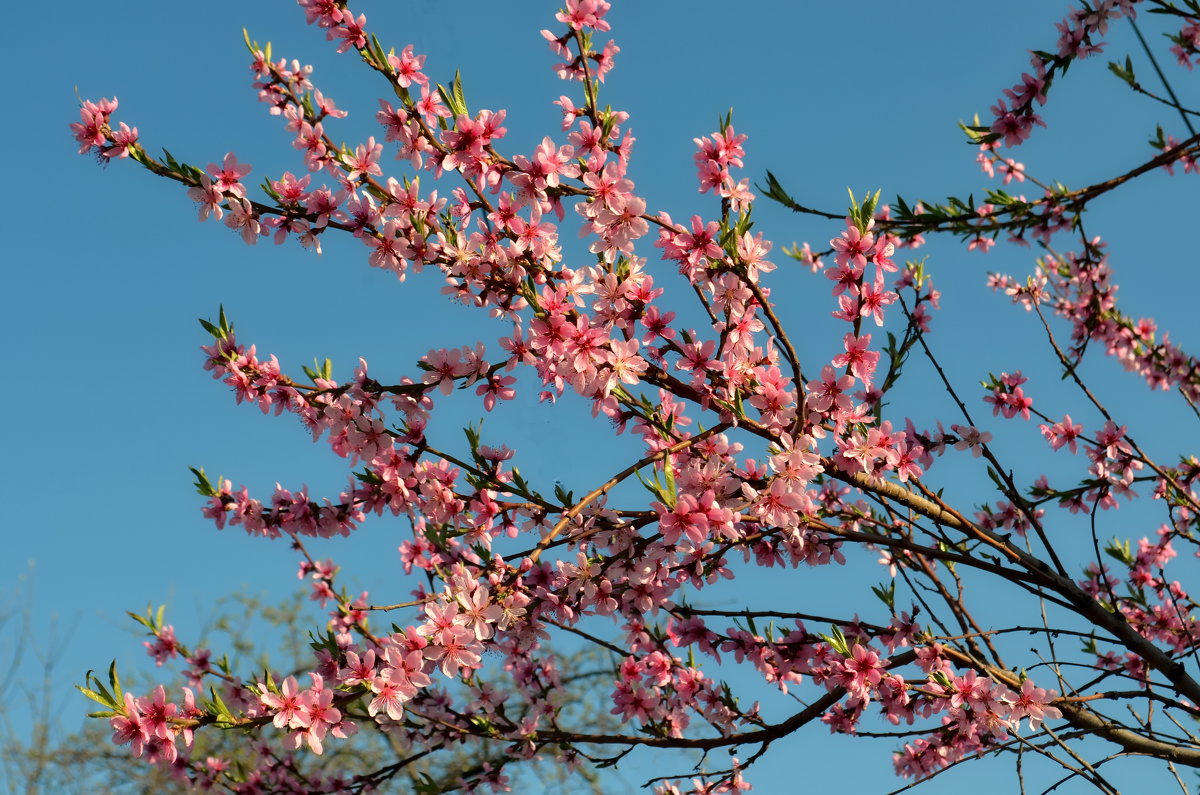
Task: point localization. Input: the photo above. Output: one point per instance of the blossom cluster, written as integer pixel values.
(1079, 287)
(745, 454)
(1080, 36)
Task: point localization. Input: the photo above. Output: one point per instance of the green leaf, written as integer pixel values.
(143, 620)
(869, 206)
(367, 476)
(219, 706)
(459, 99)
(375, 49)
(114, 681)
(863, 214)
(472, 434)
(837, 641)
(319, 370)
(97, 692)
(94, 696)
(445, 95)
(1120, 550)
(886, 593)
(203, 486)
(656, 488)
(1124, 72)
(774, 190)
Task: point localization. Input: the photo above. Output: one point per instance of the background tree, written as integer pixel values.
(55, 759)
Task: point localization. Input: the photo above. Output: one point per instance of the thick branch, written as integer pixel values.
(1086, 606)
(1088, 721)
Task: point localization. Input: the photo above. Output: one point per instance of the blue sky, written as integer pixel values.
(107, 269)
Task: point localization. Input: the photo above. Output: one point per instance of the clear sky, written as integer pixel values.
(106, 270)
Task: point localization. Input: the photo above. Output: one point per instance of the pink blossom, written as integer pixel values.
(364, 160)
(122, 139)
(1062, 433)
(389, 697)
(129, 727)
(89, 130)
(209, 197)
(242, 218)
(853, 247)
(860, 672)
(858, 358)
(165, 646)
(228, 175)
(408, 68)
(290, 706)
(580, 14)
(455, 650)
(971, 438)
(1034, 703)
